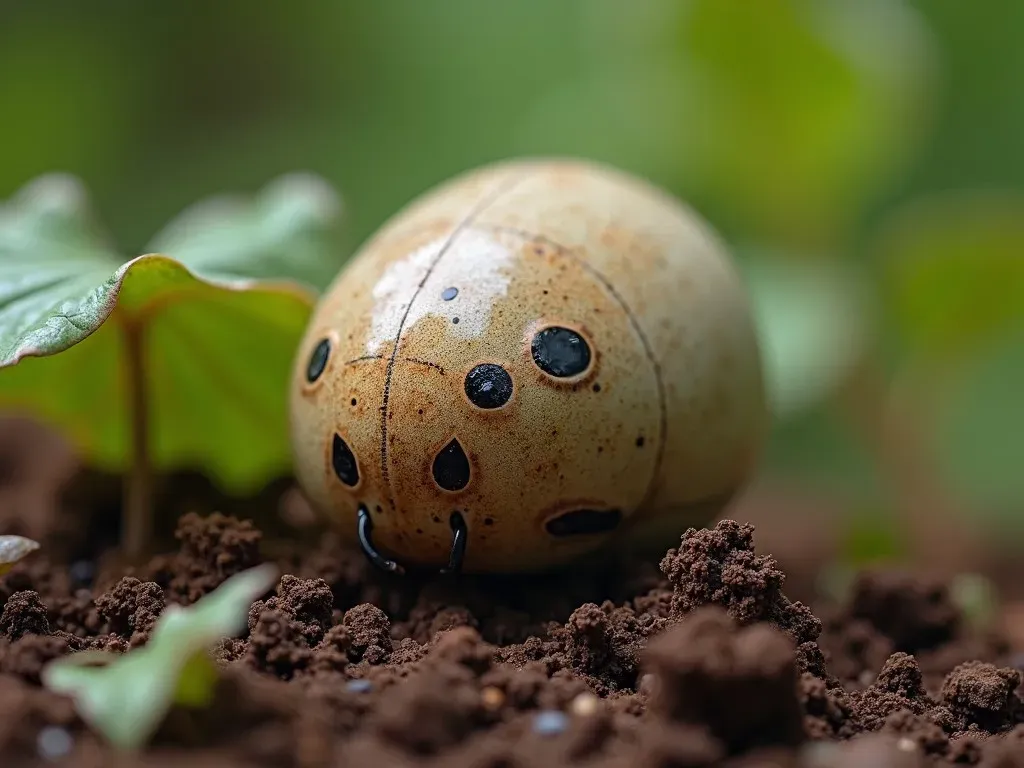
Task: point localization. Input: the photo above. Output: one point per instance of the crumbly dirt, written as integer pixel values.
(698, 660)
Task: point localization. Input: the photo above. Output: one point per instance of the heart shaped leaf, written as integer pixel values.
(208, 332)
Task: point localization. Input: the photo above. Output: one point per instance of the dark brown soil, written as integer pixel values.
(699, 660)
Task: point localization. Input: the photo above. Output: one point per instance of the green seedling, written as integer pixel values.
(125, 697)
(177, 358)
(14, 549)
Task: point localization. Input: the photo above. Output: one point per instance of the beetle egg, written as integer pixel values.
(528, 362)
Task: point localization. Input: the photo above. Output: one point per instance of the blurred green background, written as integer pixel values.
(865, 160)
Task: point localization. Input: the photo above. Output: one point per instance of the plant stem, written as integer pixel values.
(137, 512)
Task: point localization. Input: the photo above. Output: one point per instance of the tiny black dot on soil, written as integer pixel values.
(640, 442)
(455, 320)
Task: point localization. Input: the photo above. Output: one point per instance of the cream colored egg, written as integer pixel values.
(532, 359)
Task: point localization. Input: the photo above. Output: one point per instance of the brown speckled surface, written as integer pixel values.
(664, 423)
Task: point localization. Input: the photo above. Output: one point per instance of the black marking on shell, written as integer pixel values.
(344, 462)
(560, 352)
(449, 293)
(488, 386)
(451, 467)
(318, 360)
(582, 522)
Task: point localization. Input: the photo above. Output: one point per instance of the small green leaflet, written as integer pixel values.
(125, 697)
(220, 314)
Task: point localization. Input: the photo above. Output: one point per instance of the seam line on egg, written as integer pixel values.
(461, 227)
(633, 321)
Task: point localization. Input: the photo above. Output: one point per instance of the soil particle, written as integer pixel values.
(213, 548)
(982, 695)
(24, 614)
(915, 612)
(131, 608)
(738, 682)
(308, 603)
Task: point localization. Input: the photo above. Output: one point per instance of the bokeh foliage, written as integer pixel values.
(865, 159)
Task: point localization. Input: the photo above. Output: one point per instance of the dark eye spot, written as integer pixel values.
(449, 293)
(488, 386)
(560, 352)
(318, 360)
(451, 467)
(455, 320)
(580, 522)
(354, 401)
(344, 462)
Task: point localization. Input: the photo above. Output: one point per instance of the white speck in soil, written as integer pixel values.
(550, 723)
(53, 743)
(359, 686)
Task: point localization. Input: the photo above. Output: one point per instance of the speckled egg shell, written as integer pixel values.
(659, 428)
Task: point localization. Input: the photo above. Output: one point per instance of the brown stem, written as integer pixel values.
(137, 514)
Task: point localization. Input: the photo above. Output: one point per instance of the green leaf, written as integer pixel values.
(126, 697)
(219, 325)
(780, 118)
(281, 232)
(953, 273)
(13, 549)
(813, 318)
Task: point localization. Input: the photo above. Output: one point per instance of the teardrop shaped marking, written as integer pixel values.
(451, 467)
(344, 462)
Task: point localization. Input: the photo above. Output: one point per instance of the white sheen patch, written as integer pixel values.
(475, 263)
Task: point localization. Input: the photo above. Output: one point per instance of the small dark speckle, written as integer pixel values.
(600, 449)
(455, 320)
(435, 518)
(545, 291)
(596, 387)
(354, 401)
(564, 297)
(640, 442)
(554, 432)
(420, 411)
(378, 509)
(488, 521)
(449, 293)
(419, 531)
